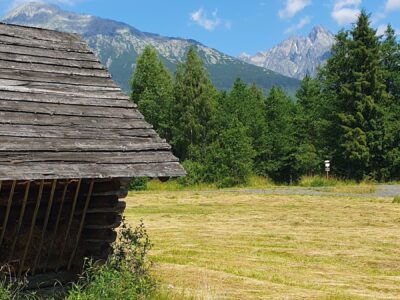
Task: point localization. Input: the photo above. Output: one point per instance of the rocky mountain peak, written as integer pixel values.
(31, 10)
(296, 56)
(319, 32)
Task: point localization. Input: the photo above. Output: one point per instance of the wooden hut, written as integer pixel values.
(70, 141)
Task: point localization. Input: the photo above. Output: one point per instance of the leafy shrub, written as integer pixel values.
(138, 184)
(195, 171)
(125, 275)
(396, 199)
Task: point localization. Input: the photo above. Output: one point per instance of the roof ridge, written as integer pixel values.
(41, 29)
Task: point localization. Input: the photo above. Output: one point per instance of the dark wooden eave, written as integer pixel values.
(62, 116)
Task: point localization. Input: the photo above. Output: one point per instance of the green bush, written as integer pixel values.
(138, 184)
(195, 171)
(396, 199)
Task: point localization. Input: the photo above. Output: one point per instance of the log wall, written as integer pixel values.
(49, 226)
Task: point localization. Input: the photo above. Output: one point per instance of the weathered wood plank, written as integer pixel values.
(68, 110)
(73, 133)
(67, 93)
(42, 44)
(118, 209)
(88, 157)
(59, 99)
(53, 69)
(40, 52)
(51, 86)
(38, 34)
(12, 57)
(62, 116)
(9, 144)
(35, 76)
(65, 171)
(71, 121)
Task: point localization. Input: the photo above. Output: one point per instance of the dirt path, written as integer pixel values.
(383, 190)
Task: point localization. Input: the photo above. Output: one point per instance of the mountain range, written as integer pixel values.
(296, 56)
(117, 45)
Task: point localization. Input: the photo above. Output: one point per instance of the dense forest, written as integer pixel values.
(348, 114)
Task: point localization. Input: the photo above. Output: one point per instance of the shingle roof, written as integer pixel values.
(62, 116)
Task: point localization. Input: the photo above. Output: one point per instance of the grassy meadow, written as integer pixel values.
(219, 244)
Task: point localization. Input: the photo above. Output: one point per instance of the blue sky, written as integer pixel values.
(233, 26)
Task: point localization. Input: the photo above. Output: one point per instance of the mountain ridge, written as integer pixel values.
(296, 56)
(118, 44)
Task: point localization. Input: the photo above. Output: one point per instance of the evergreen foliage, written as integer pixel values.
(354, 84)
(309, 127)
(228, 159)
(347, 114)
(278, 155)
(152, 90)
(194, 105)
(391, 66)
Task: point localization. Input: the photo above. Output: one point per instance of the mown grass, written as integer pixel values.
(240, 245)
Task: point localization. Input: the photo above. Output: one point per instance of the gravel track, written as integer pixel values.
(382, 190)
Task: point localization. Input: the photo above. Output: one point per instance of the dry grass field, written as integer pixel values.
(239, 245)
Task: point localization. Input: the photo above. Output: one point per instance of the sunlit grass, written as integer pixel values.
(237, 245)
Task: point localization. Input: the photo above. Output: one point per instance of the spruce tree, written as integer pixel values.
(247, 104)
(309, 127)
(278, 157)
(391, 65)
(354, 83)
(152, 90)
(193, 107)
(228, 159)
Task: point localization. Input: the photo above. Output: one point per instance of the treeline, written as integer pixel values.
(348, 114)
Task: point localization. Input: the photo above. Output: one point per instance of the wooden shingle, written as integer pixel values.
(62, 116)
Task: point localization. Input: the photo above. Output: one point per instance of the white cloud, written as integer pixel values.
(346, 11)
(292, 7)
(392, 5)
(303, 22)
(201, 18)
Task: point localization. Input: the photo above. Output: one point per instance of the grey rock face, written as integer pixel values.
(118, 44)
(296, 56)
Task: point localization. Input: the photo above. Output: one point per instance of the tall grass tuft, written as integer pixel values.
(396, 199)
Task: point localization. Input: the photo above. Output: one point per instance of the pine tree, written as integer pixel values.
(391, 64)
(228, 159)
(193, 106)
(354, 83)
(278, 157)
(152, 90)
(247, 104)
(309, 127)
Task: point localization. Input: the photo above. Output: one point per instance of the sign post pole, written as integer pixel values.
(327, 168)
